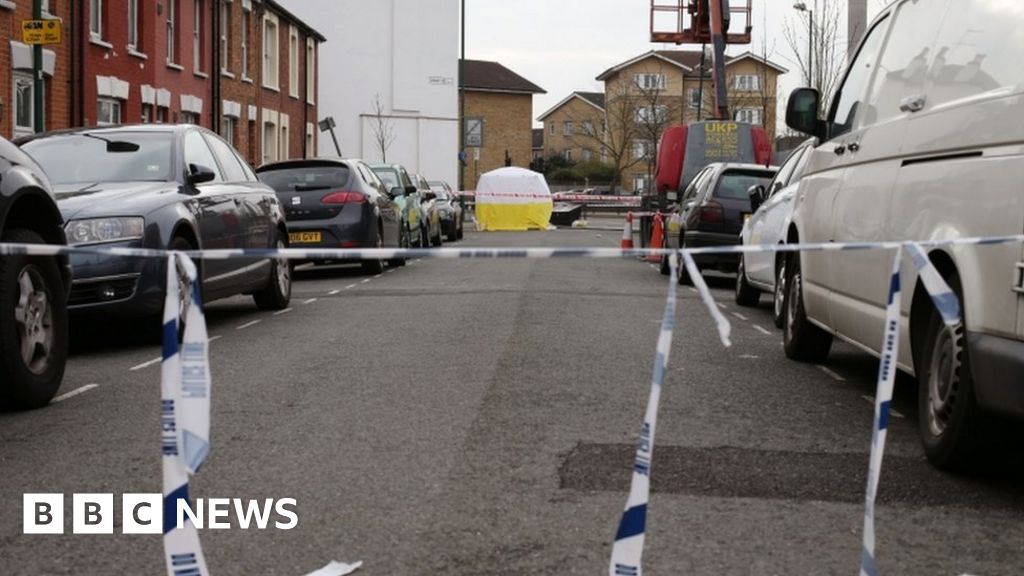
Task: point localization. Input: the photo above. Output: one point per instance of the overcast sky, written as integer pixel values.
(563, 45)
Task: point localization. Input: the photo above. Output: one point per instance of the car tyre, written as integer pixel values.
(374, 266)
(437, 240)
(949, 418)
(424, 237)
(458, 234)
(802, 340)
(779, 294)
(746, 295)
(33, 326)
(665, 269)
(278, 292)
(403, 243)
(453, 235)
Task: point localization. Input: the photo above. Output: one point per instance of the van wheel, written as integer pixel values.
(802, 340)
(948, 413)
(33, 326)
(278, 292)
(746, 295)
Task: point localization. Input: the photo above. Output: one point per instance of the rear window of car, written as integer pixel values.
(735, 183)
(387, 176)
(301, 178)
(104, 157)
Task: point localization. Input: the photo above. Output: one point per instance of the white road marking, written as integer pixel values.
(740, 316)
(834, 375)
(285, 311)
(365, 280)
(248, 324)
(333, 292)
(761, 330)
(749, 356)
(379, 275)
(894, 413)
(310, 301)
(722, 306)
(146, 364)
(350, 286)
(694, 290)
(76, 392)
(212, 338)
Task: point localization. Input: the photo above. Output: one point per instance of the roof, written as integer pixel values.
(484, 76)
(595, 99)
(686, 60)
(538, 137)
(309, 30)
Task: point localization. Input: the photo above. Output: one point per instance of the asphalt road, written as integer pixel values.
(478, 417)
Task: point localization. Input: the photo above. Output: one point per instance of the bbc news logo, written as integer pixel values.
(145, 514)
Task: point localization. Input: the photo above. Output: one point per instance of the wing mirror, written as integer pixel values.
(410, 190)
(757, 196)
(396, 191)
(198, 174)
(429, 196)
(802, 112)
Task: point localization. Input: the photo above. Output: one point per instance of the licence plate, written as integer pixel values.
(304, 237)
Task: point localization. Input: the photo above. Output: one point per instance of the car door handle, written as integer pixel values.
(854, 146)
(840, 150)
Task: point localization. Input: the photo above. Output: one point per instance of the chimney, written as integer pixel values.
(856, 24)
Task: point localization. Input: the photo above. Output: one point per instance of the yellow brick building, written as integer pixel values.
(497, 119)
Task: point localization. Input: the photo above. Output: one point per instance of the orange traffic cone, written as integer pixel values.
(657, 238)
(627, 233)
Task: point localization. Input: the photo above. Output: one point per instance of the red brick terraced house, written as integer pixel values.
(243, 68)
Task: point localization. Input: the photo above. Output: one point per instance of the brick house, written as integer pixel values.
(17, 88)
(663, 87)
(497, 119)
(573, 126)
(244, 68)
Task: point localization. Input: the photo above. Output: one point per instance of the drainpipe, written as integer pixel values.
(216, 66)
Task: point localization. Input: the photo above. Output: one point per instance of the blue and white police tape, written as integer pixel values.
(628, 548)
(942, 295)
(185, 385)
(883, 396)
(184, 412)
(721, 322)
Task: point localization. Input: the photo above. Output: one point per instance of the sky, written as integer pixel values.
(563, 45)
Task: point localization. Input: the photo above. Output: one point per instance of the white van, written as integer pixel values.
(923, 140)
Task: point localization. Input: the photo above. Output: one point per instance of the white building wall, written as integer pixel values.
(404, 50)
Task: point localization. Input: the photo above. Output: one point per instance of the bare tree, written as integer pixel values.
(383, 128)
(827, 51)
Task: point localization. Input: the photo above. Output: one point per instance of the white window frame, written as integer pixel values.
(284, 149)
(271, 53)
(649, 81)
(25, 78)
(553, 128)
(750, 115)
(643, 149)
(567, 128)
(197, 36)
(228, 124)
(133, 25)
(225, 39)
(567, 155)
(587, 127)
(310, 71)
(96, 19)
(246, 24)
(310, 140)
(746, 83)
(114, 104)
(587, 155)
(172, 23)
(693, 98)
(651, 114)
(293, 61)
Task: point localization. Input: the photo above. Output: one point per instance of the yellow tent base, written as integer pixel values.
(513, 217)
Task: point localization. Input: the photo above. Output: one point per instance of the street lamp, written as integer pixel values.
(802, 7)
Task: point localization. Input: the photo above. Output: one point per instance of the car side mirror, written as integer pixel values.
(757, 196)
(396, 191)
(198, 174)
(429, 196)
(802, 112)
(410, 190)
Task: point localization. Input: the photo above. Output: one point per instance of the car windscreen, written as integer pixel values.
(735, 183)
(104, 157)
(388, 177)
(302, 178)
(441, 194)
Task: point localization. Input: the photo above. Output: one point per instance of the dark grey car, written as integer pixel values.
(160, 187)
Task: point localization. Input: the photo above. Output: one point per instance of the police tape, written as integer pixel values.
(186, 380)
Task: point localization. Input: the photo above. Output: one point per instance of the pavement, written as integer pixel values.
(479, 416)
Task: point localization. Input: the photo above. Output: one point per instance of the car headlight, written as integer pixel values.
(101, 230)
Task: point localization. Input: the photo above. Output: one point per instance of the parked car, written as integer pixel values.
(337, 203)
(922, 141)
(33, 289)
(174, 187)
(396, 176)
(711, 212)
(450, 209)
(431, 210)
(772, 210)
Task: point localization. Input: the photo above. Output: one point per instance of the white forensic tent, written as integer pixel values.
(513, 199)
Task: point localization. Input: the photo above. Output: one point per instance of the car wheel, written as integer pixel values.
(801, 339)
(437, 240)
(376, 265)
(665, 269)
(33, 326)
(746, 295)
(278, 292)
(458, 234)
(453, 234)
(424, 237)
(403, 242)
(779, 294)
(948, 413)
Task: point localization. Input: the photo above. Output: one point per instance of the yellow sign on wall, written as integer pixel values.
(40, 31)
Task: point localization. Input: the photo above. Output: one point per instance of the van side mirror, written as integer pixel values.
(757, 196)
(802, 112)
